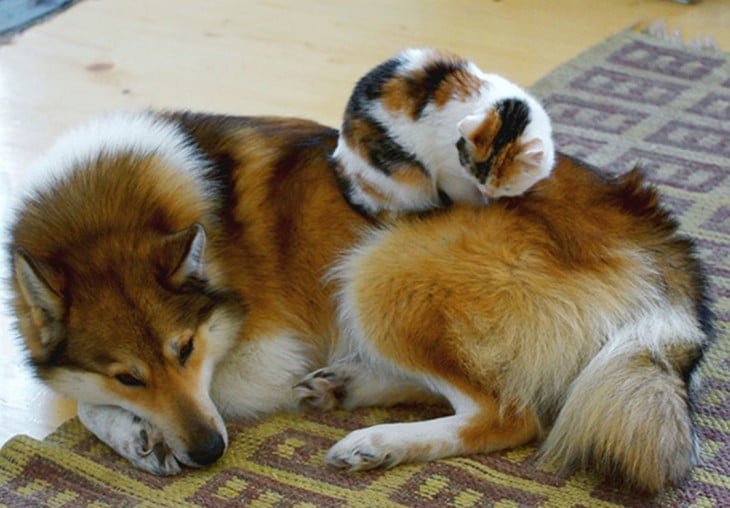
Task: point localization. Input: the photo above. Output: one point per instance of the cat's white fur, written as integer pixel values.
(433, 137)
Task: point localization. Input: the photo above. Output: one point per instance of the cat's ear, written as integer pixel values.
(532, 153)
(480, 130)
(468, 125)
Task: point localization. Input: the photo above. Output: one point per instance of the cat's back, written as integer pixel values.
(399, 144)
(401, 123)
(411, 81)
(418, 98)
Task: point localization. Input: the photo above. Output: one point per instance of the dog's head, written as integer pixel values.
(132, 321)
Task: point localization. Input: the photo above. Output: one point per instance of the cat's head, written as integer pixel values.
(507, 148)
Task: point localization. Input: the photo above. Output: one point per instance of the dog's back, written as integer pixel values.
(576, 311)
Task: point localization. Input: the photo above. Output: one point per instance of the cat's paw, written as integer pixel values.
(366, 449)
(132, 437)
(323, 389)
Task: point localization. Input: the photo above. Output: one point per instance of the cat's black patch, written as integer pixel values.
(515, 115)
(464, 155)
(348, 190)
(423, 90)
(383, 152)
(444, 199)
(482, 169)
(370, 86)
(386, 153)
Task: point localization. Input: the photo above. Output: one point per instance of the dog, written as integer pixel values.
(174, 270)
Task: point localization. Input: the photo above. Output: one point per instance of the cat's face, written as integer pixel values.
(498, 151)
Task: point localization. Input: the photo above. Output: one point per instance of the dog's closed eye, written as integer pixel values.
(185, 352)
(129, 380)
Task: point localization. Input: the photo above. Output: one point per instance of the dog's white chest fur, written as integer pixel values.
(258, 378)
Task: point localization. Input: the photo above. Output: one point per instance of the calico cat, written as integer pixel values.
(427, 127)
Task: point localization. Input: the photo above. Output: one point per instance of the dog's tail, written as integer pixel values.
(627, 412)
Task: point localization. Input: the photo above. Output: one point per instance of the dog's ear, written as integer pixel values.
(186, 251)
(34, 280)
(39, 287)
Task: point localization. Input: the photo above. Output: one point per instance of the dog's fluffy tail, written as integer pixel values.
(628, 413)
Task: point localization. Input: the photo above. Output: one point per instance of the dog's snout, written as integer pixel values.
(209, 450)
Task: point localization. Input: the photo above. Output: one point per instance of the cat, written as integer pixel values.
(427, 128)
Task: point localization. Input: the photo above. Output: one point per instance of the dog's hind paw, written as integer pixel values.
(365, 449)
(322, 389)
(132, 437)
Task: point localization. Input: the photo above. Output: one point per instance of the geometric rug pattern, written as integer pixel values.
(635, 99)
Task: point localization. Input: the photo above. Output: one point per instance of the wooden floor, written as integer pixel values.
(254, 57)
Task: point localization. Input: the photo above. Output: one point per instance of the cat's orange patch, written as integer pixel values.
(505, 167)
(360, 134)
(411, 176)
(483, 136)
(411, 92)
(397, 95)
(459, 85)
(370, 190)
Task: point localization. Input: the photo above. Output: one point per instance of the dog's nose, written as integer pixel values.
(209, 450)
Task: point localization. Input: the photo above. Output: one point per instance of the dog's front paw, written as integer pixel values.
(147, 450)
(322, 389)
(130, 436)
(365, 449)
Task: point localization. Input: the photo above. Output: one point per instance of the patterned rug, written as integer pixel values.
(633, 98)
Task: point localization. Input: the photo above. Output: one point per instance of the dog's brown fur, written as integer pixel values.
(505, 305)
